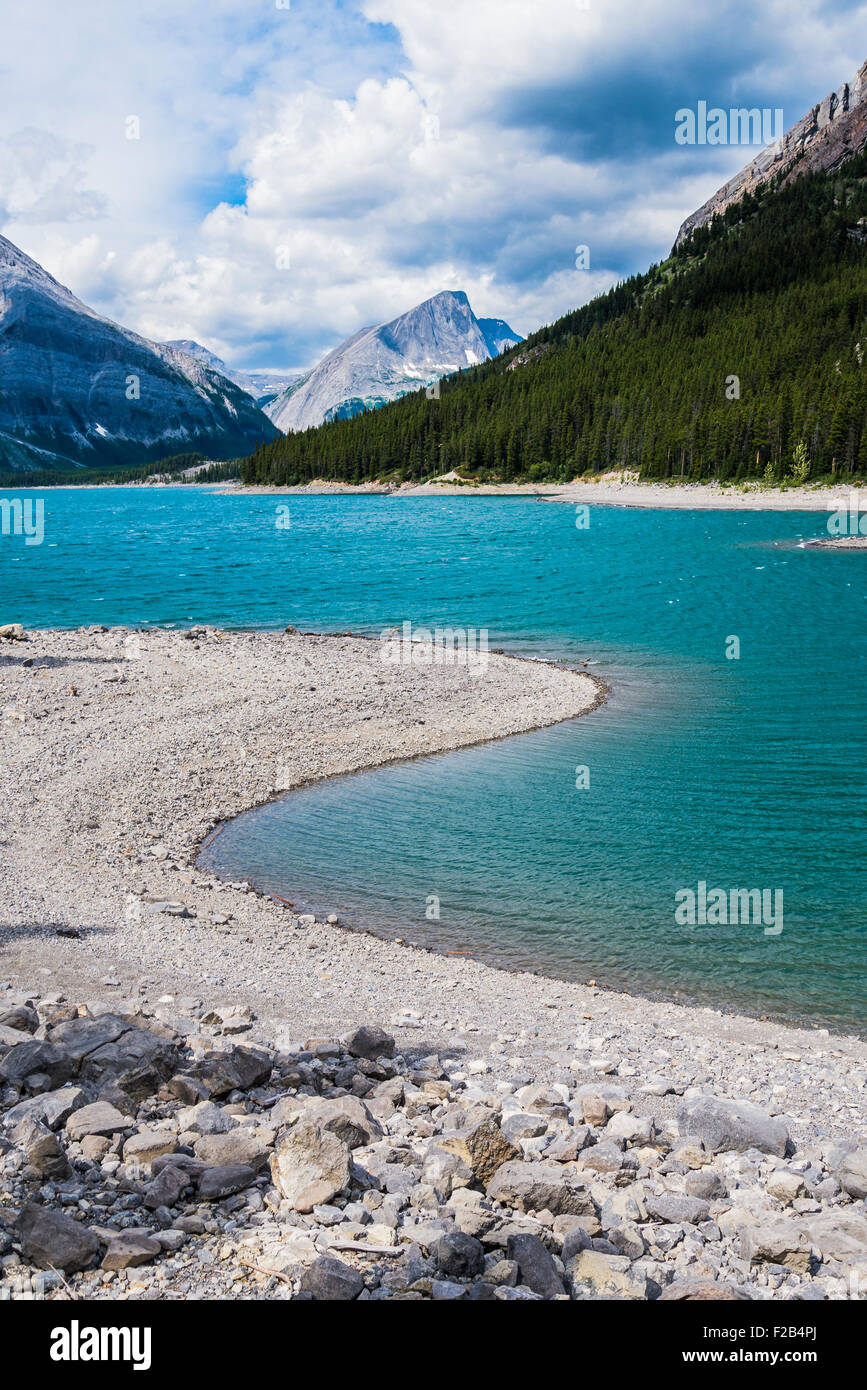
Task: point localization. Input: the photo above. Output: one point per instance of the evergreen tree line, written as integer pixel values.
(166, 470)
(740, 356)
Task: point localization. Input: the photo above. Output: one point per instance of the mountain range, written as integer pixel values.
(77, 389)
(264, 387)
(389, 360)
(743, 354)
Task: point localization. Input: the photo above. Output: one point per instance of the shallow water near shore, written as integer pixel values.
(743, 773)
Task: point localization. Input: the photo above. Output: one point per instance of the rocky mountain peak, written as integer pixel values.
(831, 132)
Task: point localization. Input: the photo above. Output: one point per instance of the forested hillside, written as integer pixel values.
(774, 294)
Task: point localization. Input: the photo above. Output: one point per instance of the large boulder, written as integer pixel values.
(458, 1255)
(536, 1265)
(53, 1108)
(725, 1125)
(51, 1240)
(838, 1234)
(483, 1147)
(79, 1036)
(540, 1187)
(217, 1073)
(41, 1148)
(98, 1118)
(852, 1173)
(370, 1041)
(35, 1058)
(131, 1052)
(217, 1183)
(331, 1281)
(672, 1207)
(310, 1166)
(347, 1117)
(595, 1275)
(237, 1146)
(781, 1242)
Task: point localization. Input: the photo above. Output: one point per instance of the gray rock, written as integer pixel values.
(704, 1183)
(51, 1240)
(41, 1148)
(310, 1166)
(53, 1108)
(205, 1118)
(20, 1017)
(536, 1264)
(165, 1189)
(852, 1173)
(329, 1280)
(132, 1051)
(217, 1183)
(33, 1058)
(540, 1186)
(702, 1290)
(458, 1255)
(238, 1146)
(347, 1117)
(737, 1125)
(98, 1118)
(519, 1126)
(130, 1248)
(78, 1036)
(218, 1073)
(370, 1041)
(671, 1207)
(782, 1242)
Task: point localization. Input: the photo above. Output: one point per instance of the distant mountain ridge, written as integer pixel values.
(385, 361)
(831, 132)
(77, 389)
(262, 386)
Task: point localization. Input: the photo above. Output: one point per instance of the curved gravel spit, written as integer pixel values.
(506, 1135)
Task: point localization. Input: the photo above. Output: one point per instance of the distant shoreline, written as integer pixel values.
(606, 492)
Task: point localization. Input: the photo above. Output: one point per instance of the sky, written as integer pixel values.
(268, 176)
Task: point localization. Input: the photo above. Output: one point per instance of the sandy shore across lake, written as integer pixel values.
(122, 750)
(608, 491)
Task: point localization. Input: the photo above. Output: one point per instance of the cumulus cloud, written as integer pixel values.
(304, 172)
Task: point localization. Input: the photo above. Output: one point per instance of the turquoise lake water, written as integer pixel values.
(745, 773)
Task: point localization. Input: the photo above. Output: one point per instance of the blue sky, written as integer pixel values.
(303, 170)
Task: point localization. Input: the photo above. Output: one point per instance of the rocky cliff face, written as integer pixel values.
(77, 389)
(830, 133)
(378, 364)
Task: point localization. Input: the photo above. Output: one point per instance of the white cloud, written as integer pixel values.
(388, 175)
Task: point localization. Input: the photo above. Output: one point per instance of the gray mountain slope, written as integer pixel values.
(385, 361)
(77, 389)
(260, 385)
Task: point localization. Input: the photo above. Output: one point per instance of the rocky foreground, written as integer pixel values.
(153, 1153)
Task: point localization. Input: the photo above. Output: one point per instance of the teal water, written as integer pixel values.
(744, 773)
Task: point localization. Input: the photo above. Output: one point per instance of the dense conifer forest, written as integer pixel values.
(740, 356)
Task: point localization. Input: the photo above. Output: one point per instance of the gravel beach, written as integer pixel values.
(617, 1147)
